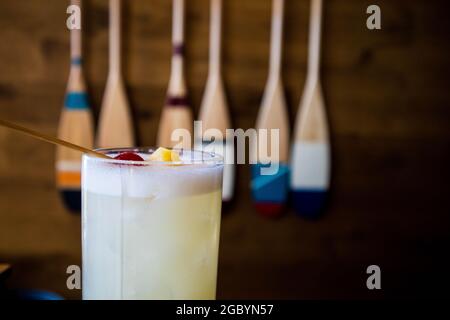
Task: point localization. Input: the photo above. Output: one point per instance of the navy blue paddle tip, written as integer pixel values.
(309, 204)
(72, 200)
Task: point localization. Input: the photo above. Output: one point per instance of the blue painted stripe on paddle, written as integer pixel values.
(76, 100)
(270, 188)
(77, 61)
(309, 203)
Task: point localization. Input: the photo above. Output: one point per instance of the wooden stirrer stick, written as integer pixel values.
(51, 139)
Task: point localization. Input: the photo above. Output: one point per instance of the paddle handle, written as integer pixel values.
(114, 37)
(177, 85)
(75, 40)
(276, 38)
(178, 22)
(215, 37)
(314, 40)
(50, 139)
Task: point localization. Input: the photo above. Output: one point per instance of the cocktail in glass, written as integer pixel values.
(150, 230)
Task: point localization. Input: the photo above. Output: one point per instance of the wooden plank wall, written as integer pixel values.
(387, 94)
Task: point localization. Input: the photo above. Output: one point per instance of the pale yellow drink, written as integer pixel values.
(151, 231)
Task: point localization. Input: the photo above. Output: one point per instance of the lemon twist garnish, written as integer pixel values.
(165, 155)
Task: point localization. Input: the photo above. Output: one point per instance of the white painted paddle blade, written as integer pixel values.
(76, 126)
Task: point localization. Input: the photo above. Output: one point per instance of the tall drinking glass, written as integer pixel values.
(150, 230)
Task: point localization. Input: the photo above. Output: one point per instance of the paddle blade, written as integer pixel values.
(214, 115)
(270, 192)
(76, 126)
(214, 108)
(115, 128)
(175, 128)
(310, 163)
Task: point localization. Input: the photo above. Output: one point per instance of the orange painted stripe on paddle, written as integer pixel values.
(69, 179)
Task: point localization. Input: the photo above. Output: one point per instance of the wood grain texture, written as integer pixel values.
(388, 106)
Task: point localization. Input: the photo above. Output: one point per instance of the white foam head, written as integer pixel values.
(195, 174)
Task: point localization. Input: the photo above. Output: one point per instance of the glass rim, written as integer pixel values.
(206, 158)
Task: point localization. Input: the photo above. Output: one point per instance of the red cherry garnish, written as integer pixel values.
(129, 156)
